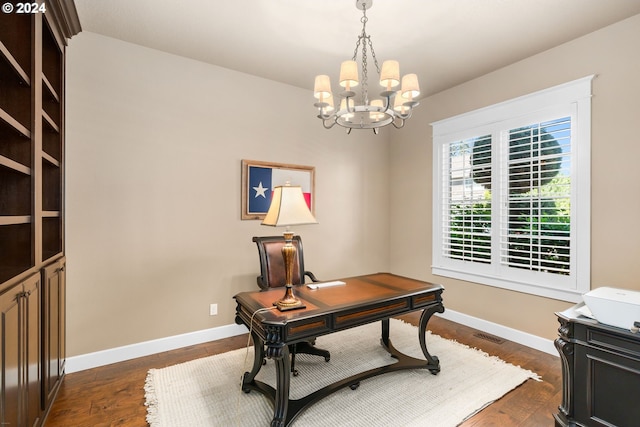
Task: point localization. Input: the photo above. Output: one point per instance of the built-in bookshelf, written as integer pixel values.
(32, 259)
(16, 147)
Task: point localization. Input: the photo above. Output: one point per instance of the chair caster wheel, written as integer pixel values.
(326, 359)
(354, 385)
(295, 372)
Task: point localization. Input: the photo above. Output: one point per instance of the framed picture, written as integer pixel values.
(260, 178)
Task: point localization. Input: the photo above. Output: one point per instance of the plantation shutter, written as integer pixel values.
(535, 221)
(466, 225)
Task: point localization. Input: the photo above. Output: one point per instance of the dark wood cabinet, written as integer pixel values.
(20, 354)
(53, 329)
(600, 373)
(32, 280)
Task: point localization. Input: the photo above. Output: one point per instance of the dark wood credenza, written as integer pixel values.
(600, 373)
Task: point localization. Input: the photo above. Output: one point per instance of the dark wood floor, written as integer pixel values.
(113, 395)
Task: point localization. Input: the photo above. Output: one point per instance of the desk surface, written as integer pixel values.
(357, 291)
(361, 300)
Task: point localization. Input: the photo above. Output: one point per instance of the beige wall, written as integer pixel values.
(154, 145)
(613, 55)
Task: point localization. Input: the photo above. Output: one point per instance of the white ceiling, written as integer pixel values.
(446, 42)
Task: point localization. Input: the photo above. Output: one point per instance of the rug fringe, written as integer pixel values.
(532, 375)
(151, 400)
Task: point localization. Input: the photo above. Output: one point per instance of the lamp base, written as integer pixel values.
(289, 307)
(289, 301)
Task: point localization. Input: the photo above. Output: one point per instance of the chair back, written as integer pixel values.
(272, 272)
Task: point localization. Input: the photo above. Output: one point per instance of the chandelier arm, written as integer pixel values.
(333, 122)
(387, 102)
(325, 116)
(398, 126)
(352, 108)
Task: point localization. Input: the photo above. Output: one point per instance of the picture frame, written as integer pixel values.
(259, 178)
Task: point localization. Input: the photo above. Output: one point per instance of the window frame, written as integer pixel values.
(570, 99)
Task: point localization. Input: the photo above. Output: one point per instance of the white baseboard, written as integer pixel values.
(120, 354)
(524, 338)
(146, 348)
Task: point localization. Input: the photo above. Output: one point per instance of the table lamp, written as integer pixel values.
(288, 207)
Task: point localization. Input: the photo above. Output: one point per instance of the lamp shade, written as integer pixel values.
(398, 105)
(349, 74)
(390, 74)
(322, 87)
(330, 106)
(410, 86)
(288, 207)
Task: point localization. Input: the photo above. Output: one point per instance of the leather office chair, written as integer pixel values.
(272, 275)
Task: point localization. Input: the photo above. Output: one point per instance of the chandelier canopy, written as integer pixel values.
(394, 106)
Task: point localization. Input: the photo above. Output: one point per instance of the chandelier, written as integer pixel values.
(394, 105)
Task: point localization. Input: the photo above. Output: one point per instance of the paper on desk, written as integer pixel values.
(325, 284)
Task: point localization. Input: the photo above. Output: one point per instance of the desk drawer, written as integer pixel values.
(308, 328)
(377, 312)
(424, 300)
(617, 343)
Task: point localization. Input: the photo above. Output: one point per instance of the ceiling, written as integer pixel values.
(446, 42)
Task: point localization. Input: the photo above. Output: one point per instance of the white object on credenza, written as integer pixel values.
(614, 307)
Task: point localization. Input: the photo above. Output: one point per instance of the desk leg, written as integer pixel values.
(385, 332)
(258, 358)
(283, 377)
(422, 329)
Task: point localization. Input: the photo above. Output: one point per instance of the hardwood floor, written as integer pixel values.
(113, 395)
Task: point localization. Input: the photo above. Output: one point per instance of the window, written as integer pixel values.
(509, 183)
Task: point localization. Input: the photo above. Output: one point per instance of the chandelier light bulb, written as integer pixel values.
(377, 115)
(399, 107)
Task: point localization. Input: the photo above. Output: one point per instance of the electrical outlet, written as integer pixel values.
(213, 309)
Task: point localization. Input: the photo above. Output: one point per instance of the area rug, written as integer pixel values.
(206, 392)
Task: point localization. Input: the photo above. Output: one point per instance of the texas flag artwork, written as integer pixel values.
(262, 180)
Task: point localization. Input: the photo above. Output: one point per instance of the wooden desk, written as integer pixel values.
(364, 299)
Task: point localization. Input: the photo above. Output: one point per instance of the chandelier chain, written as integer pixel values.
(365, 77)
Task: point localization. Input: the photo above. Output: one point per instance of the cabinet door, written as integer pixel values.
(607, 387)
(53, 328)
(31, 306)
(20, 355)
(10, 357)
